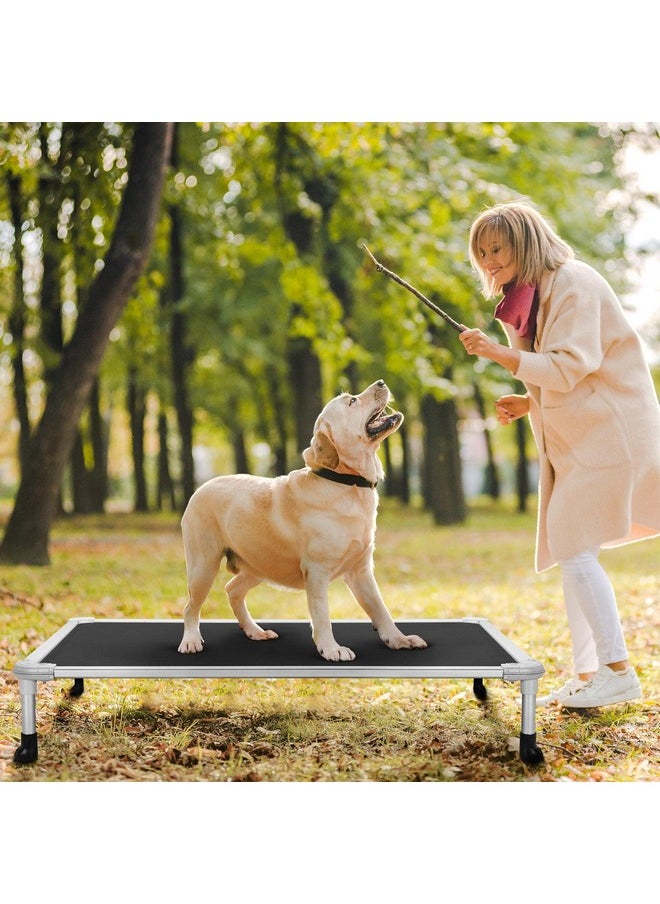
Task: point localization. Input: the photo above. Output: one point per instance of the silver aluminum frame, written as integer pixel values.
(36, 667)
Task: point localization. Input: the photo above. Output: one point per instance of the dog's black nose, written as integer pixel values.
(380, 382)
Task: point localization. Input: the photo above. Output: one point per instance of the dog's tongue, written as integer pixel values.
(381, 420)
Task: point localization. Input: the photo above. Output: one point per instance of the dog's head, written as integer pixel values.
(349, 431)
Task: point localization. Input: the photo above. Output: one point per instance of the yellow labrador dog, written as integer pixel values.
(301, 530)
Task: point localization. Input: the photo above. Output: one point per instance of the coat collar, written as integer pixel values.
(545, 288)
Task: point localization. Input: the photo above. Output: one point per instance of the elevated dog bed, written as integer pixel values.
(131, 648)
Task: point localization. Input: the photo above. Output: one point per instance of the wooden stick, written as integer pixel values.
(381, 269)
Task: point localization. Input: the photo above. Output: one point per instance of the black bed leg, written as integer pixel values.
(479, 689)
(529, 752)
(77, 688)
(28, 751)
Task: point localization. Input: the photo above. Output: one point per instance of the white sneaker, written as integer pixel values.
(606, 686)
(562, 693)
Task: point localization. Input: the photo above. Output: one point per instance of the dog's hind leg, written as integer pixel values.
(202, 564)
(200, 580)
(237, 589)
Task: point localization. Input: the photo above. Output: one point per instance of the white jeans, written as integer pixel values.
(593, 617)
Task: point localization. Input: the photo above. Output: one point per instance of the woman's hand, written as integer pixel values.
(511, 407)
(476, 342)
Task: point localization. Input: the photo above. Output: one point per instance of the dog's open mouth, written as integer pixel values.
(382, 420)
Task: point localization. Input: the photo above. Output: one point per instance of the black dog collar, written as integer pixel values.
(353, 480)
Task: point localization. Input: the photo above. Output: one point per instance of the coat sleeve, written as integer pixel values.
(571, 342)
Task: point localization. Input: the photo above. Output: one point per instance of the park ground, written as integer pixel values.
(353, 730)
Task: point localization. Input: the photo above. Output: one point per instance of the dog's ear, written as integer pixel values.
(322, 452)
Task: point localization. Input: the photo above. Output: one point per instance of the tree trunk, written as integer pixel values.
(51, 251)
(241, 463)
(397, 484)
(89, 480)
(165, 482)
(404, 486)
(522, 466)
(389, 488)
(98, 428)
(335, 265)
(17, 321)
(74, 139)
(278, 438)
(136, 414)
(27, 535)
(304, 365)
(492, 487)
(181, 353)
(305, 376)
(80, 477)
(443, 485)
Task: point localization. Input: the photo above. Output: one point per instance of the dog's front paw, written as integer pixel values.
(405, 642)
(337, 654)
(191, 643)
(413, 641)
(255, 632)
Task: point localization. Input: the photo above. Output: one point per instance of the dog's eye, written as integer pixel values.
(352, 400)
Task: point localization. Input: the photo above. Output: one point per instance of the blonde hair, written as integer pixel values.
(534, 243)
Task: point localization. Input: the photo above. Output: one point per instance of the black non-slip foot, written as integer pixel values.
(529, 752)
(77, 688)
(479, 689)
(28, 751)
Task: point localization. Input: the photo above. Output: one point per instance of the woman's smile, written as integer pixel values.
(497, 260)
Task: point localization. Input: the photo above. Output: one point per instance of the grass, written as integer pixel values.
(349, 730)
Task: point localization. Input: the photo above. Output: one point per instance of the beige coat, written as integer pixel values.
(595, 418)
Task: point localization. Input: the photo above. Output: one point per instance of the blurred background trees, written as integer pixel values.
(256, 304)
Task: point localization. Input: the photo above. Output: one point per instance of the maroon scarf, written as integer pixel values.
(519, 308)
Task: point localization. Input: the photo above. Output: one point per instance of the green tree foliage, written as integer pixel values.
(72, 382)
(272, 217)
(64, 183)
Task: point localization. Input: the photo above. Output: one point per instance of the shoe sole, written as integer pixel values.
(546, 701)
(550, 700)
(623, 697)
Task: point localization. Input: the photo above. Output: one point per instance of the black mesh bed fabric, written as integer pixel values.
(129, 643)
(142, 648)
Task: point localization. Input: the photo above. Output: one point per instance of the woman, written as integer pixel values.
(595, 419)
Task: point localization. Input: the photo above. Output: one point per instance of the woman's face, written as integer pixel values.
(496, 258)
